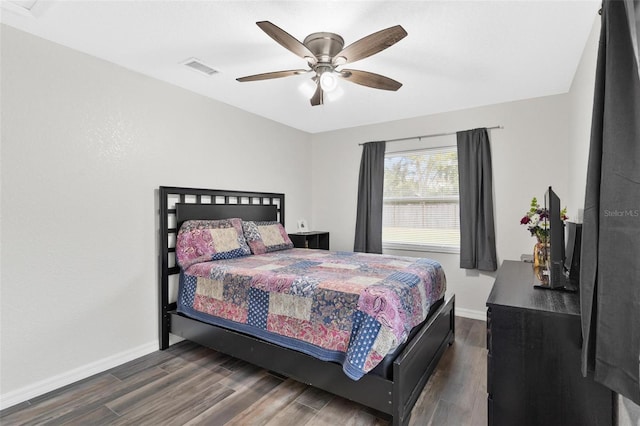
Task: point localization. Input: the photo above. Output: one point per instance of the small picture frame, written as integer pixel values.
(303, 226)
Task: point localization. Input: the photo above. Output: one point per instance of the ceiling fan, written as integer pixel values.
(325, 52)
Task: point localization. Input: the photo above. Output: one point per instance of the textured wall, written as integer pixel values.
(85, 145)
(529, 154)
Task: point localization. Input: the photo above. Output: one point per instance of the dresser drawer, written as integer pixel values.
(489, 374)
(489, 410)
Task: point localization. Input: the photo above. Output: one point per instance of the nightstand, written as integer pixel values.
(312, 240)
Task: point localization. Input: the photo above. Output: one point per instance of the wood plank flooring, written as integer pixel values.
(191, 385)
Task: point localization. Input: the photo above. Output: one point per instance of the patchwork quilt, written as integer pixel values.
(351, 308)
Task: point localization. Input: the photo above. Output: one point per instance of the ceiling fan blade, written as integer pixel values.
(287, 41)
(370, 45)
(370, 79)
(270, 75)
(318, 96)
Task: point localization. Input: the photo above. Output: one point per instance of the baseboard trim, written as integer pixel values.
(470, 313)
(25, 393)
(28, 392)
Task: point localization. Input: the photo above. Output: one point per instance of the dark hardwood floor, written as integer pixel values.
(188, 385)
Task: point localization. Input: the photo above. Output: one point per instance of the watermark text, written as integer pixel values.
(621, 213)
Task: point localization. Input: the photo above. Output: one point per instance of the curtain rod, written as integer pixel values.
(432, 135)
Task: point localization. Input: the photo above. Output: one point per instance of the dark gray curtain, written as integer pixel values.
(370, 188)
(477, 234)
(610, 258)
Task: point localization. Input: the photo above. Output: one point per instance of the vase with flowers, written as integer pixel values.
(537, 222)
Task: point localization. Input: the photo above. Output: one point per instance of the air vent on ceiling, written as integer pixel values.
(198, 65)
(21, 7)
(25, 4)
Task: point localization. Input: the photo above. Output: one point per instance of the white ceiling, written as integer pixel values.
(457, 54)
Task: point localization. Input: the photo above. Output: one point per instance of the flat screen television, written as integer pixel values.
(558, 278)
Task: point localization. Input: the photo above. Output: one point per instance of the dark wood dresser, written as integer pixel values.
(533, 364)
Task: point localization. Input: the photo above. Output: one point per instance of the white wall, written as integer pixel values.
(85, 145)
(529, 154)
(580, 112)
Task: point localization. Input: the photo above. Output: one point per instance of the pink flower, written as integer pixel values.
(525, 220)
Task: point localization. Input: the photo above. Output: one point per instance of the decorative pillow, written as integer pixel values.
(205, 240)
(265, 237)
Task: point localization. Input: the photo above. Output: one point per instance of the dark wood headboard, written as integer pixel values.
(180, 204)
(257, 212)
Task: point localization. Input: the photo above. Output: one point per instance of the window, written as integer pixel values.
(421, 208)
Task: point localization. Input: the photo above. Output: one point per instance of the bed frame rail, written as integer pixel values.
(396, 397)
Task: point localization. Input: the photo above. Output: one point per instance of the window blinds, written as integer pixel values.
(421, 204)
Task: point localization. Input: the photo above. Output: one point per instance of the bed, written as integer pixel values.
(390, 385)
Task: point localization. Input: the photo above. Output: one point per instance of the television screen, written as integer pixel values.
(557, 278)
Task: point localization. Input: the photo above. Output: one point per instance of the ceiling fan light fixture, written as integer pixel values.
(328, 81)
(307, 87)
(339, 60)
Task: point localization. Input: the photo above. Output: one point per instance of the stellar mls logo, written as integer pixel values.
(622, 213)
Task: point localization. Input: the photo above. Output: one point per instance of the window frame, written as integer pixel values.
(406, 246)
